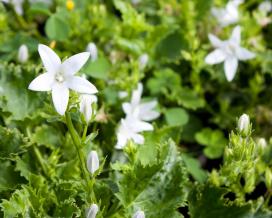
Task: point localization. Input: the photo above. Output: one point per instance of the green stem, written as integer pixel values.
(40, 160)
(84, 132)
(77, 143)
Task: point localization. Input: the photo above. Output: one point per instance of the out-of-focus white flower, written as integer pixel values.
(122, 94)
(262, 142)
(60, 77)
(92, 162)
(93, 51)
(229, 52)
(129, 129)
(229, 14)
(244, 124)
(22, 54)
(92, 211)
(265, 7)
(85, 105)
(142, 111)
(17, 4)
(139, 214)
(143, 60)
(135, 2)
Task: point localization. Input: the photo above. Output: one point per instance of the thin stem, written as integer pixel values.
(77, 143)
(40, 160)
(84, 132)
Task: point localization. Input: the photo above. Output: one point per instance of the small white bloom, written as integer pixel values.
(265, 7)
(23, 54)
(92, 162)
(229, 14)
(229, 52)
(85, 105)
(17, 4)
(143, 60)
(93, 51)
(244, 124)
(142, 111)
(139, 214)
(129, 129)
(262, 142)
(122, 94)
(60, 77)
(92, 211)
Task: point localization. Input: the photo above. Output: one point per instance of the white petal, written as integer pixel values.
(92, 162)
(139, 126)
(138, 139)
(73, 64)
(136, 94)
(236, 35)
(92, 211)
(81, 85)
(146, 111)
(50, 59)
(60, 96)
(139, 214)
(127, 108)
(244, 54)
(215, 57)
(42, 82)
(216, 42)
(230, 67)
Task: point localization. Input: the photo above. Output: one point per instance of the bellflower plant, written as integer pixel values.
(229, 52)
(60, 77)
(229, 14)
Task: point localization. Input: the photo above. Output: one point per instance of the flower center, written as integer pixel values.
(59, 77)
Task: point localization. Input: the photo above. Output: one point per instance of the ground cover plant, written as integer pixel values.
(136, 108)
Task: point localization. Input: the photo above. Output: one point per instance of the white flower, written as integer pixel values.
(93, 51)
(142, 111)
(129, 129)
(92, 162)
(92, 211)
(122, 94)
(143, 60)
(22, 54)
(244, 124)
(229, 14)
(265, 7)
(262, 142)
(85, 105)
(17, 4)
(229, 52)
(139, 214)
(60, 77)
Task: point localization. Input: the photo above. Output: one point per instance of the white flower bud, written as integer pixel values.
(139, 214)
(143, 60)
(244, 124)
(23, 54)
(85, 105)
(93, 51)
(262, 142)
(92, 162)
(92, 211)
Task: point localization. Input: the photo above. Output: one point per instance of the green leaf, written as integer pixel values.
(98, 69)
(176, 116)
(189, 99)
(214, 140)
(57, 28)
(157, 189)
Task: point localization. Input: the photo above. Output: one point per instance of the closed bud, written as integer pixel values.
(92, 162)
(93, 51)
(139, 214)
(92, 211)
(85, 106)
(23, 54)
(143, 60)
(244, 124)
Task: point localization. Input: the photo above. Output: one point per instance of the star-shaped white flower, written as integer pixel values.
(229, 52)
(142, 111)
(17, 4)
(129, 130)
(229, 14)
(60, 77)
